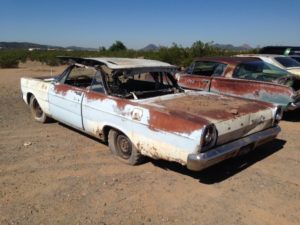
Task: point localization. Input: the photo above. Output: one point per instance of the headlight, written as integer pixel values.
(209, 137)
(278, 115)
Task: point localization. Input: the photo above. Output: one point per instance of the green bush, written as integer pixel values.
(11, 59)
(9, 62)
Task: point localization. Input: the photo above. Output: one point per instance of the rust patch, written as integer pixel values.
(62, 89)
(160, 119)
(121, 103)
(92, 96)
(194, 82)
(245, 87)
(213, 106)
(229, 71)
(176, 122)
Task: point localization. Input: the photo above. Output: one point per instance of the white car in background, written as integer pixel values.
(296, 57)
(281, 61)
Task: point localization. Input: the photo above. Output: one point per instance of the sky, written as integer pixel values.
(137, 23)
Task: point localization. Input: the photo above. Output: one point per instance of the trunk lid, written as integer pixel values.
(234, 117)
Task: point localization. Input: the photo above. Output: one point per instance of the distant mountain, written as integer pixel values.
(243, 47)
(25, 45)
(150, 47)
(28, 45)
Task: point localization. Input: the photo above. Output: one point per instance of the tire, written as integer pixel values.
(36, 111)
(123, 149)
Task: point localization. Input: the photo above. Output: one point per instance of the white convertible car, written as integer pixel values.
(138, 108)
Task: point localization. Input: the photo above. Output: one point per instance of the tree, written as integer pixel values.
(117, 46)
(102, 49)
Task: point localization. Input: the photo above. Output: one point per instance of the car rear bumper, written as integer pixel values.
(201, 161)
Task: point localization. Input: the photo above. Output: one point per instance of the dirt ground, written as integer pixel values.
(51, 174)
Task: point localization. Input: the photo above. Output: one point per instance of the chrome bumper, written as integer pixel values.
(201, 161)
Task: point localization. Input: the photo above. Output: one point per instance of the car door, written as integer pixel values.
(96, 106)
(66, 95)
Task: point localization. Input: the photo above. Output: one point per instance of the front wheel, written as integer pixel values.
(36, 111)
(122, 147)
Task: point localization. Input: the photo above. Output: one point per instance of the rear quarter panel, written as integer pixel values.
(37, 87)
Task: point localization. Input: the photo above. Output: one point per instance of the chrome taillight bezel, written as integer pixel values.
(278, 115)
(209, 137)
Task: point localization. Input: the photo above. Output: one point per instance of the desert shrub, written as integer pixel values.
(11, 59)
(9, 62)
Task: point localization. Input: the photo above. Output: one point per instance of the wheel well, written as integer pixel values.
(106, 130)
(28, 97)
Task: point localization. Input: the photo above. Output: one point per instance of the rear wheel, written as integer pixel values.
(36, 111)
(122, 147)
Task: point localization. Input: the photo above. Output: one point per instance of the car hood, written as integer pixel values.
(233, 117)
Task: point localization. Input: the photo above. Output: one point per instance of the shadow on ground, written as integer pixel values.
(219, 172)
(225, 169)
(292, 116)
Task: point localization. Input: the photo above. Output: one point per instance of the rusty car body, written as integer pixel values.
(137, 107)
(246, 77)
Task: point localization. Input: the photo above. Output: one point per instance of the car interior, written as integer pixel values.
(205, 68)
(121, 83)
(138, 85)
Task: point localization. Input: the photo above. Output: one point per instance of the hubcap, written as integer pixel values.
(37, 109)
(124, 146)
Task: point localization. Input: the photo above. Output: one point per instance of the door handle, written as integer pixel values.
(205, 81)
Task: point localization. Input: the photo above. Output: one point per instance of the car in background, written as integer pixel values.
(296, 57)
(281, 61)
(137, 107)
(246, 77)
(280, 50)
(291, 51)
